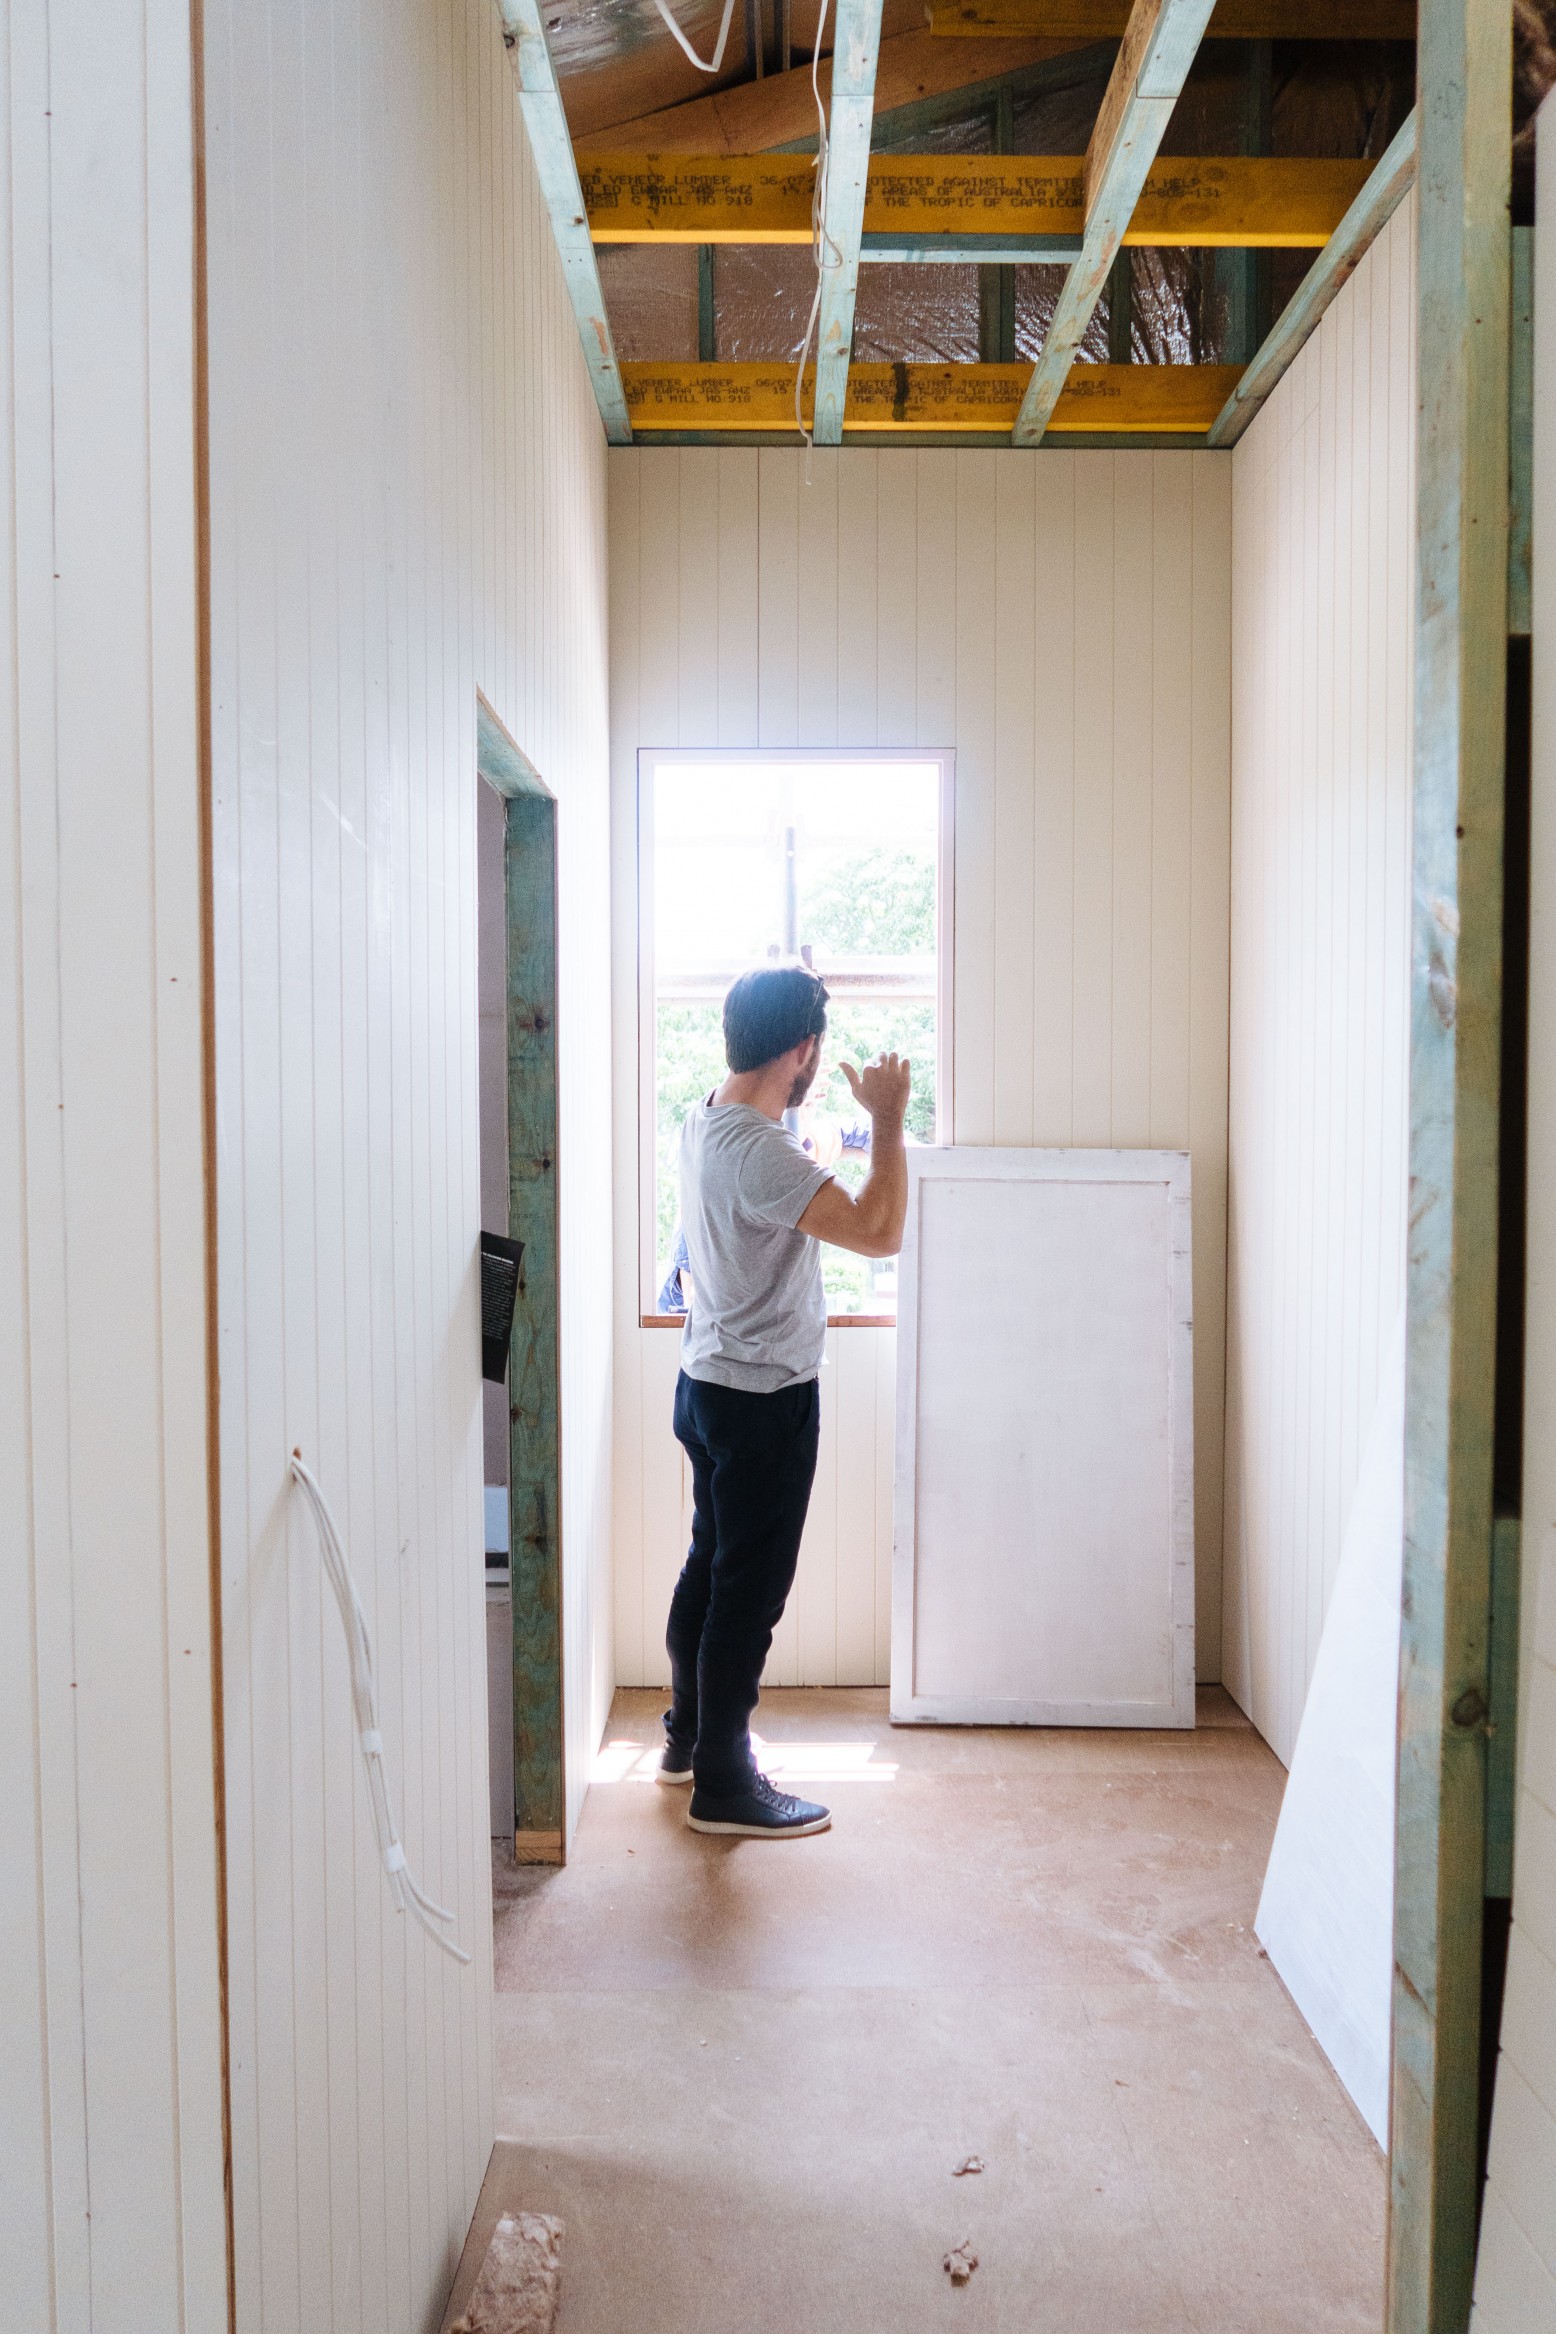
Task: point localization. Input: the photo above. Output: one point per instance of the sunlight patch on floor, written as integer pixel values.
(620, 1761)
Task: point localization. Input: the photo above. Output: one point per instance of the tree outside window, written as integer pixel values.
(836, 862)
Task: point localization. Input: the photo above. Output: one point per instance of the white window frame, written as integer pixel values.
(649, 759)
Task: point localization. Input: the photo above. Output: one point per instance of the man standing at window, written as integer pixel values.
(755, 1208)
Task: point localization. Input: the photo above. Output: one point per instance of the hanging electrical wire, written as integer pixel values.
(685, 44)
(364, 1694)
(820, 241)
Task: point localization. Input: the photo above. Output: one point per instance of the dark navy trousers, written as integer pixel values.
(753, 1462)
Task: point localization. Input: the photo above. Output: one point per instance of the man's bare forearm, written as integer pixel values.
(882, 1198)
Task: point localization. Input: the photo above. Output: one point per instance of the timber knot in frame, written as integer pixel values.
(1443, 990)
(1470, 1710)
(899, 392)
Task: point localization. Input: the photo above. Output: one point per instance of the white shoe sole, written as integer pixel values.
(663, 1775)
(762, 1831)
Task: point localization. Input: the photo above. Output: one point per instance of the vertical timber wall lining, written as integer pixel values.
(407, 506)
(1323, 531)
(111, 2207)
(1062, 621)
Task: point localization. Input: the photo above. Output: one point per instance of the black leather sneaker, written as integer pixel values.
(675, 1766)
(757, 1813)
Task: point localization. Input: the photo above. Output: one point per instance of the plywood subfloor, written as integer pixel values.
(742, 2073)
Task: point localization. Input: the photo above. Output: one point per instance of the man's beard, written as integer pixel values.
(803, 1083)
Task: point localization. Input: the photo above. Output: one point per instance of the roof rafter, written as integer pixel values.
(914, 71)
(1148, 74)
(540, 101)
(855, 50)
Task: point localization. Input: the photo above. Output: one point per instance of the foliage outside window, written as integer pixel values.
(757, 861)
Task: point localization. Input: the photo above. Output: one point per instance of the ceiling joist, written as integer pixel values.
(850, 116)
(1178, 400)
(1148, 74)
(983, 207)
(540, 101)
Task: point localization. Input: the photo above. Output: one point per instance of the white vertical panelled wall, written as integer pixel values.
(111, 2209)
(407, 505)
(1515, 2281)
(1062, 621)
(1323, 532)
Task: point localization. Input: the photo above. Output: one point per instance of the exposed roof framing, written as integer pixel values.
(922, 400)
(1148, 74)
(1368, 215)
(903, 126)
(1090, 20)
(855, 50)
(969, 207)
(540, 100)
(914, 70)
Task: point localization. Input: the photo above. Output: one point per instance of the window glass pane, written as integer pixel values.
(762, 861)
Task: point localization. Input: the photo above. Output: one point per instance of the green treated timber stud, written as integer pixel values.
(1003, 301)
(501, 763)
(1338, 261)
(1502, 1744)
(707, 323)
(1520, 437)
(540, 101)
(1148, 75)
(1464, 66)
(996, 284)
(534, 1458)
(1121, 308)
(856, 48)
(1244, 277)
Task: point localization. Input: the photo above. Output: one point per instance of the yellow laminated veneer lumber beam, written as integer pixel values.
(957, 399)
(1237, 201)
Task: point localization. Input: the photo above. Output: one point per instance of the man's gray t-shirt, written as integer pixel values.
(758, 1317)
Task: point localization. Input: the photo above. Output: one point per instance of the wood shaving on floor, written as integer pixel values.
(516, 2292)
(960, 2262)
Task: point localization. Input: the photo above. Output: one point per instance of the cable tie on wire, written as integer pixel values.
(394, 1857)
(372, 1742)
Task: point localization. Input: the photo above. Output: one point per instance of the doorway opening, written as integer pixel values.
(517, 872)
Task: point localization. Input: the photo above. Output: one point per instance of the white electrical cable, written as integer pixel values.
(820, 240)
(359, 1646)
(718, 54)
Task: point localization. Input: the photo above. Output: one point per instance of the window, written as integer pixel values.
(843, 861)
